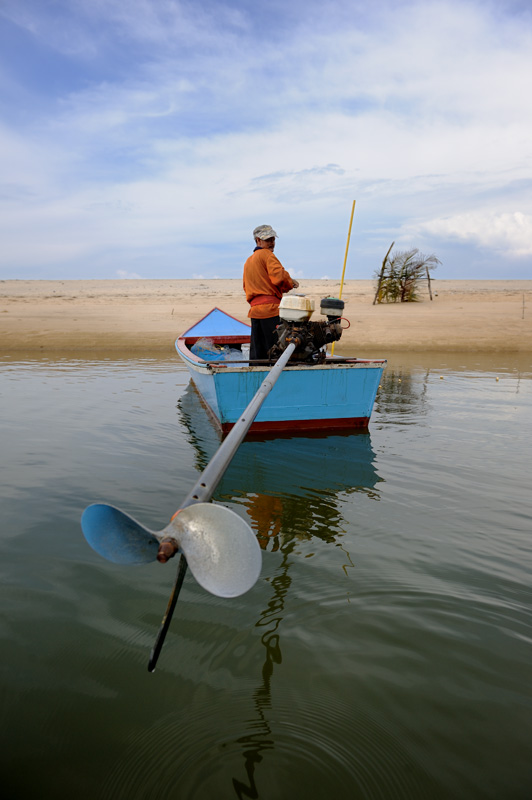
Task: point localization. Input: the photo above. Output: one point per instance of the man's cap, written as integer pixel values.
(264, 232)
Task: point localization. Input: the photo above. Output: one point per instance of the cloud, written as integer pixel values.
(507, 234)
(92, 28)
(122, 273)
(177, 133)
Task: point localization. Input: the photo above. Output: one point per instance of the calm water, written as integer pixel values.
(385, 651)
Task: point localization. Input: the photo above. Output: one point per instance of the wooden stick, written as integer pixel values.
(345, 260)
(382, 272)
(428, 280)
(347, 250)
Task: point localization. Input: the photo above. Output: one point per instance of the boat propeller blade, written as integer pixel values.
(117, 536)
(221, 550)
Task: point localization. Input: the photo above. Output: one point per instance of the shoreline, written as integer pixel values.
(146, 316)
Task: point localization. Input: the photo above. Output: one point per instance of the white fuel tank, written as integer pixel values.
(296, 308)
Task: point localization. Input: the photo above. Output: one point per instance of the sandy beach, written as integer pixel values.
(132, 316)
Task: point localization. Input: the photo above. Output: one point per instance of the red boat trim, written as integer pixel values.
(190, 340)
(300, 425)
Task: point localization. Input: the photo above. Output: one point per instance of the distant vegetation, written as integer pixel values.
(400, 275)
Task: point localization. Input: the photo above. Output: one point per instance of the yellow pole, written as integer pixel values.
(345, 260)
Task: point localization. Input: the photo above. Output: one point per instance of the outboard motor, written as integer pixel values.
(311, 338)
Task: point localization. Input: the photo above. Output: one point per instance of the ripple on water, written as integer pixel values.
(199, 753)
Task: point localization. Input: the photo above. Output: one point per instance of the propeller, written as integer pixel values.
(222, 551)
(219, 546)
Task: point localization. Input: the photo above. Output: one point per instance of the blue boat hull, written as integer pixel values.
(304, 398)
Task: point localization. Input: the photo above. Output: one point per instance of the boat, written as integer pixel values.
(315, 392)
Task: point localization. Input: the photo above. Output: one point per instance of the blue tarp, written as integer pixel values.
(208, 351)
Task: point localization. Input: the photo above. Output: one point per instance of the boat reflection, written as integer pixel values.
(292, 489)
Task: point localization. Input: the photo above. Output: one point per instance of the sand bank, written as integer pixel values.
(129, 316)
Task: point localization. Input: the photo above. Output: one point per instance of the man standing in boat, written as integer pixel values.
(265, 282)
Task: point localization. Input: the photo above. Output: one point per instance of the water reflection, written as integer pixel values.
(406, 691)
(291, 484)
(292, 490)
(260, 738)
(403, 395)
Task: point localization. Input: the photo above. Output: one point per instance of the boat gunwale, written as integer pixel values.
(182, 346)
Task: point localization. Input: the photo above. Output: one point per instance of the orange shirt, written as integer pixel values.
(264, 275)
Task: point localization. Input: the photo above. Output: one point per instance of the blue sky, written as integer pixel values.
(148, 138)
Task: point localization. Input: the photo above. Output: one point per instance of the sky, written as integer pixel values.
(148, 138)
